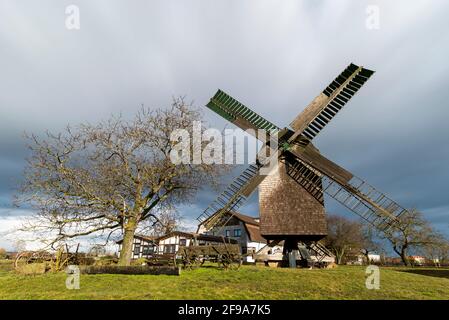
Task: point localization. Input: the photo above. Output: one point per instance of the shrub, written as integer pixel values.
(139, 262)
(105, 262)
(114, 269)
(32, 268)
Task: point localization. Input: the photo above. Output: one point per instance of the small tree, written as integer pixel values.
(344, 236)
(368, 244)
(414, 233)
(169, 220)
(437, 251)
(2, 253)
(97, 179)
(164, 221)
(97, 250)
(19, 245)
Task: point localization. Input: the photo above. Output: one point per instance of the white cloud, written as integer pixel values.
(11, 238)
(8, 231)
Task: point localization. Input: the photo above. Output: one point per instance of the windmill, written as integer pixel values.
(302, 163)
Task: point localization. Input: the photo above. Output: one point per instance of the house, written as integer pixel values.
(417, 260)
(360, 259)
(393, 261)
(242, 228)
(170, 242)
(150, 246)
(374, 258)
(143, 246)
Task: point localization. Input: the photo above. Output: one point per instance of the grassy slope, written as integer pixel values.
(246, 283)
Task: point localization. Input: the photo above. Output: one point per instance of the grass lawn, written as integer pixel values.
(344, 282)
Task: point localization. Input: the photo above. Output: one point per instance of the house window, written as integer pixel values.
(228, 233)
(182, 242)
(169, 248)
(250, 250)
(137, 249)
(147, 250)
(237, 232)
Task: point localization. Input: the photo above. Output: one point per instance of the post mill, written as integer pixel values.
(292, 202)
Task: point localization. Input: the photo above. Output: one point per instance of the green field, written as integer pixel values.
(344, 282)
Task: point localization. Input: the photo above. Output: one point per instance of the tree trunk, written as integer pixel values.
(127, 245)
(339, 258)
(404, 258)
(366, 254)
(339, 255)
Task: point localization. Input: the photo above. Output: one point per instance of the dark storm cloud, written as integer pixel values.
(275, 57)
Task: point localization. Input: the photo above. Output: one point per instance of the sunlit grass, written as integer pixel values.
(344, 282)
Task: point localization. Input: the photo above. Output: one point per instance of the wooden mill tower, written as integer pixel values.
(289, 212)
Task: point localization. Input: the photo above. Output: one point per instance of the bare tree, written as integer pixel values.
(166, 221)
(415, 233)
(437, 251)
(169, 220)
(97, 250)
(19, 245)
(344, 236)
(369, 244)
(97, 179)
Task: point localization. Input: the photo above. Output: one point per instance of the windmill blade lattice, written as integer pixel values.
(239, 114)
(324, 107)
(357, 195)
(232, 197)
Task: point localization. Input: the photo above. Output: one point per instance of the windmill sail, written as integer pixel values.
(232, 197)
(242, 186)
(352, 192)
(325, 106)
(239, 190)
(240, 115)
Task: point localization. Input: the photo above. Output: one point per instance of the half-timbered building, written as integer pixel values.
(143, 246)
(240, 227)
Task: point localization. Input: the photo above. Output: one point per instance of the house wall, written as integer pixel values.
(173, 242)
(253, 247)
(374, 257)
(361, 259)
(138, 248)
(233, 225)
(246, 245)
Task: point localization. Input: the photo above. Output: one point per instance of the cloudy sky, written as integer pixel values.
(274, 56)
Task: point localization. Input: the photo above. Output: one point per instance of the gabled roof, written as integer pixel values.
(251, 225)
(240, 216)
(245, 218)
(142, 237)
(254, 233)
(191, 235)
